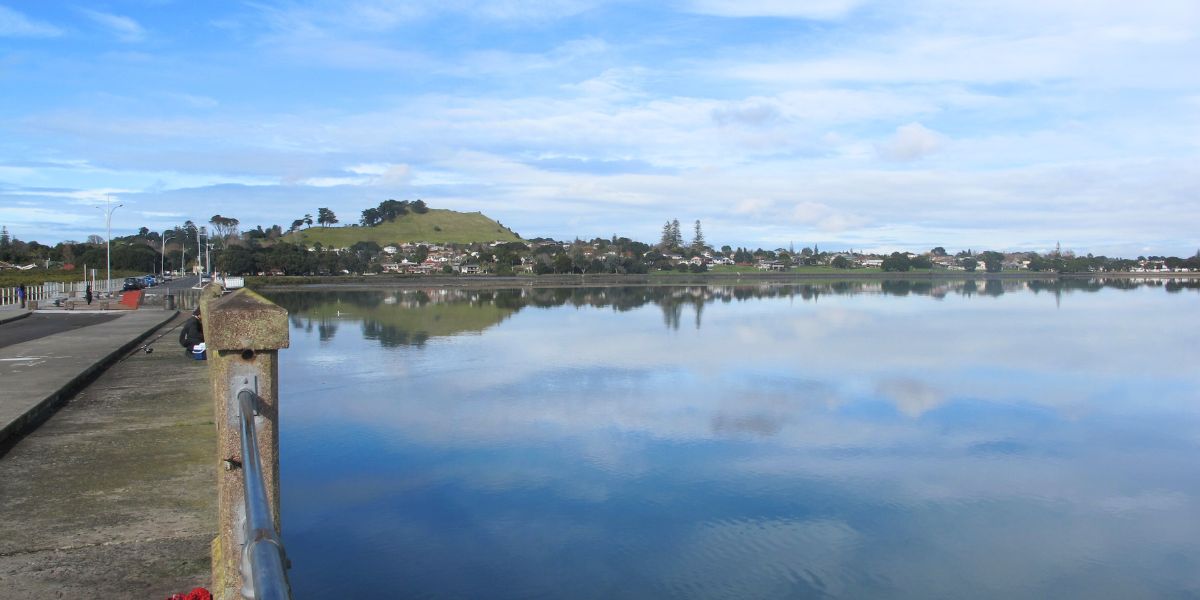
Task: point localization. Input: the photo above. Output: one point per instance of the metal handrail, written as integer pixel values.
(264, 563)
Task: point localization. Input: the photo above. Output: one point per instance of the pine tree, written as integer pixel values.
(667, 237)
(676, 236)
(698, 238)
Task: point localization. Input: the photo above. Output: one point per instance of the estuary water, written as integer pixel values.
(965, 439)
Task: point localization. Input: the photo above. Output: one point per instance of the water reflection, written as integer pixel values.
(410, 317)
(849, 439)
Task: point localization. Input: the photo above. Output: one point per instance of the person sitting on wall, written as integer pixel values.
(191, 337)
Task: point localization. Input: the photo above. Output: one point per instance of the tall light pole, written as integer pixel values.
(199, 253)
(108, 209)
(162, 269)
(182, 255)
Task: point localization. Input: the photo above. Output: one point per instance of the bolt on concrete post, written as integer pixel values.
(243, 333)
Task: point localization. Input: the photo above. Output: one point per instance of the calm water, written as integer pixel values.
(896, 440)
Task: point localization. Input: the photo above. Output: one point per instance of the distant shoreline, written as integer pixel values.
(664, 279)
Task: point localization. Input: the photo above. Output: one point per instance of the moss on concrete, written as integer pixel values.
(114, 494)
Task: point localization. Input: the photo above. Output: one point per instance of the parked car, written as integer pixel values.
(133, 283)
(150, 280)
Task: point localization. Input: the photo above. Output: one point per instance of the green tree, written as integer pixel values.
(896, 262)
(237, 260)
(698, 238)
(840, 262)
(562, 263)
(326, 217)
(223, 226)
(993, 262)
(289, 258)
(419, 207)
(308, 220)
(370, 217)
(969, 264)
(667, 237)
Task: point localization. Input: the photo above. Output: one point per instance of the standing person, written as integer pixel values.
(21, 294)
(192, 337)
(88, 294)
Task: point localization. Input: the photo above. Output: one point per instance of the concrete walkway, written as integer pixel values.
(40, 374)
(112, 497)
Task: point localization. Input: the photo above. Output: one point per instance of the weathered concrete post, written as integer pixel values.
(243, 333)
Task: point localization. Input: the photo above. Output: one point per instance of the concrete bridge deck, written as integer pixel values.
(112, 496)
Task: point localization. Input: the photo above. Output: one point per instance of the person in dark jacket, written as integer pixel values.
(192, 335)
(21, 294)
(88, 295)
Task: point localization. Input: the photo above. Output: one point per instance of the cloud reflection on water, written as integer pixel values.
(1004, 445)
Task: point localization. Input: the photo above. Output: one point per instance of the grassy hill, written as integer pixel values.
(437, 225)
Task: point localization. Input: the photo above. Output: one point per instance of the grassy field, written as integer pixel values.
(437, 225)
(40, 276)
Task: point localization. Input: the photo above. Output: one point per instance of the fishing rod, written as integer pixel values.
(148, 346)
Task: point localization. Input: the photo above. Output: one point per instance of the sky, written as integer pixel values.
(852, 124)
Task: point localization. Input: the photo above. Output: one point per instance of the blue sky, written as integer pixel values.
(1006, 124)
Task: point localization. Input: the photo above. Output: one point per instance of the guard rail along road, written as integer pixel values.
(244, 333)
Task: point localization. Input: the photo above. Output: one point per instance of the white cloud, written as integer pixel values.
(15, 24)
(125, 28)
(368, 174)
(911, 142)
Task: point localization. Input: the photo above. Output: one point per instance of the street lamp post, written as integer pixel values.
(199, 254)
(108, 209)
(162, 268)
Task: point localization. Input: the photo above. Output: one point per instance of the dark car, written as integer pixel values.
(133, 283)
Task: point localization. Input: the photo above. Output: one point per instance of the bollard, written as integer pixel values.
(169, 303)
(243, 333)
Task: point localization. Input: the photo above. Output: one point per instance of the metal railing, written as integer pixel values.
(57, 289)
(264, 562)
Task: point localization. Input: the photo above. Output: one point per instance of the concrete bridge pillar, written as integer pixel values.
(243, 333)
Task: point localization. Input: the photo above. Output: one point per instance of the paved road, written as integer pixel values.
(178, 283)
(40, 325)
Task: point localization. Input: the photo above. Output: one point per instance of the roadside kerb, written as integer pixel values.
(15, 316)
(40, 375)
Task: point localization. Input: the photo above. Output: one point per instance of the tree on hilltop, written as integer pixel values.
(326, 217)
(698, 238)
